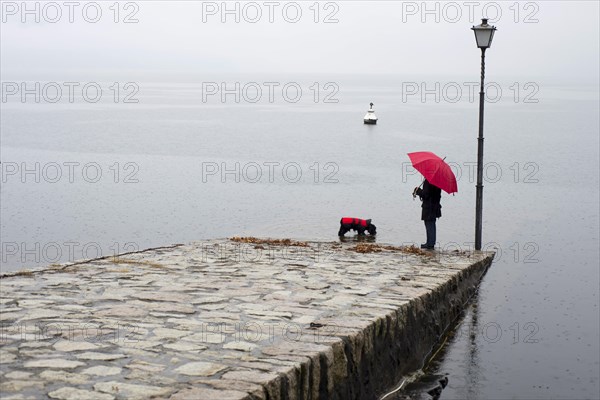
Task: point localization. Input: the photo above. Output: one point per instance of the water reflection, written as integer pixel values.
(472, 362)
(429, 383)
(358, 239)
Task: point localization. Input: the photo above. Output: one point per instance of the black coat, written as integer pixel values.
(431, 196)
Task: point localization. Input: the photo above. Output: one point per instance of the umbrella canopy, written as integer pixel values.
(435, 170)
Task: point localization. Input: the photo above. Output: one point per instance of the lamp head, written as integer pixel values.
(484, 34)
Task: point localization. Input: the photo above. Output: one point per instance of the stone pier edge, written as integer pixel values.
(366, 364)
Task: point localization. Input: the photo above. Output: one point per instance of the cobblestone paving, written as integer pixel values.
(210, 320)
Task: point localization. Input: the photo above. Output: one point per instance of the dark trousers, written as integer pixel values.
(430, 229)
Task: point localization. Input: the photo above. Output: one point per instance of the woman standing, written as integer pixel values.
(431, 210)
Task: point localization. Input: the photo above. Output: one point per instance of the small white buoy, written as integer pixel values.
(370, 118)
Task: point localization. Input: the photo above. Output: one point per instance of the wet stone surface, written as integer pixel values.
(216, 319)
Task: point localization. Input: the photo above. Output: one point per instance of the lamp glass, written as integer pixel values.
(484, 37)
(484, 34)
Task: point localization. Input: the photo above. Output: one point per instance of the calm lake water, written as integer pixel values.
(84, 179)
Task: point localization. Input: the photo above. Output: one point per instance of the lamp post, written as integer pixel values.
(484, 34)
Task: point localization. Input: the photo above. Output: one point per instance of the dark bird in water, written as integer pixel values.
(435, 392)
(443, 382)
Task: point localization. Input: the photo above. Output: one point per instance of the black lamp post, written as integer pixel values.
(484, 34)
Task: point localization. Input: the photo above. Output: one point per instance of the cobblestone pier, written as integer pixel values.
(229, 320)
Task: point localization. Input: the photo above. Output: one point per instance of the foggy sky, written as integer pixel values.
(382, 37)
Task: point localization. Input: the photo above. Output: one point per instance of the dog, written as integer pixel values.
(356, 224)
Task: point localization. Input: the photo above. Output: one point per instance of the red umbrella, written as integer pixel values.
(435, 170)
